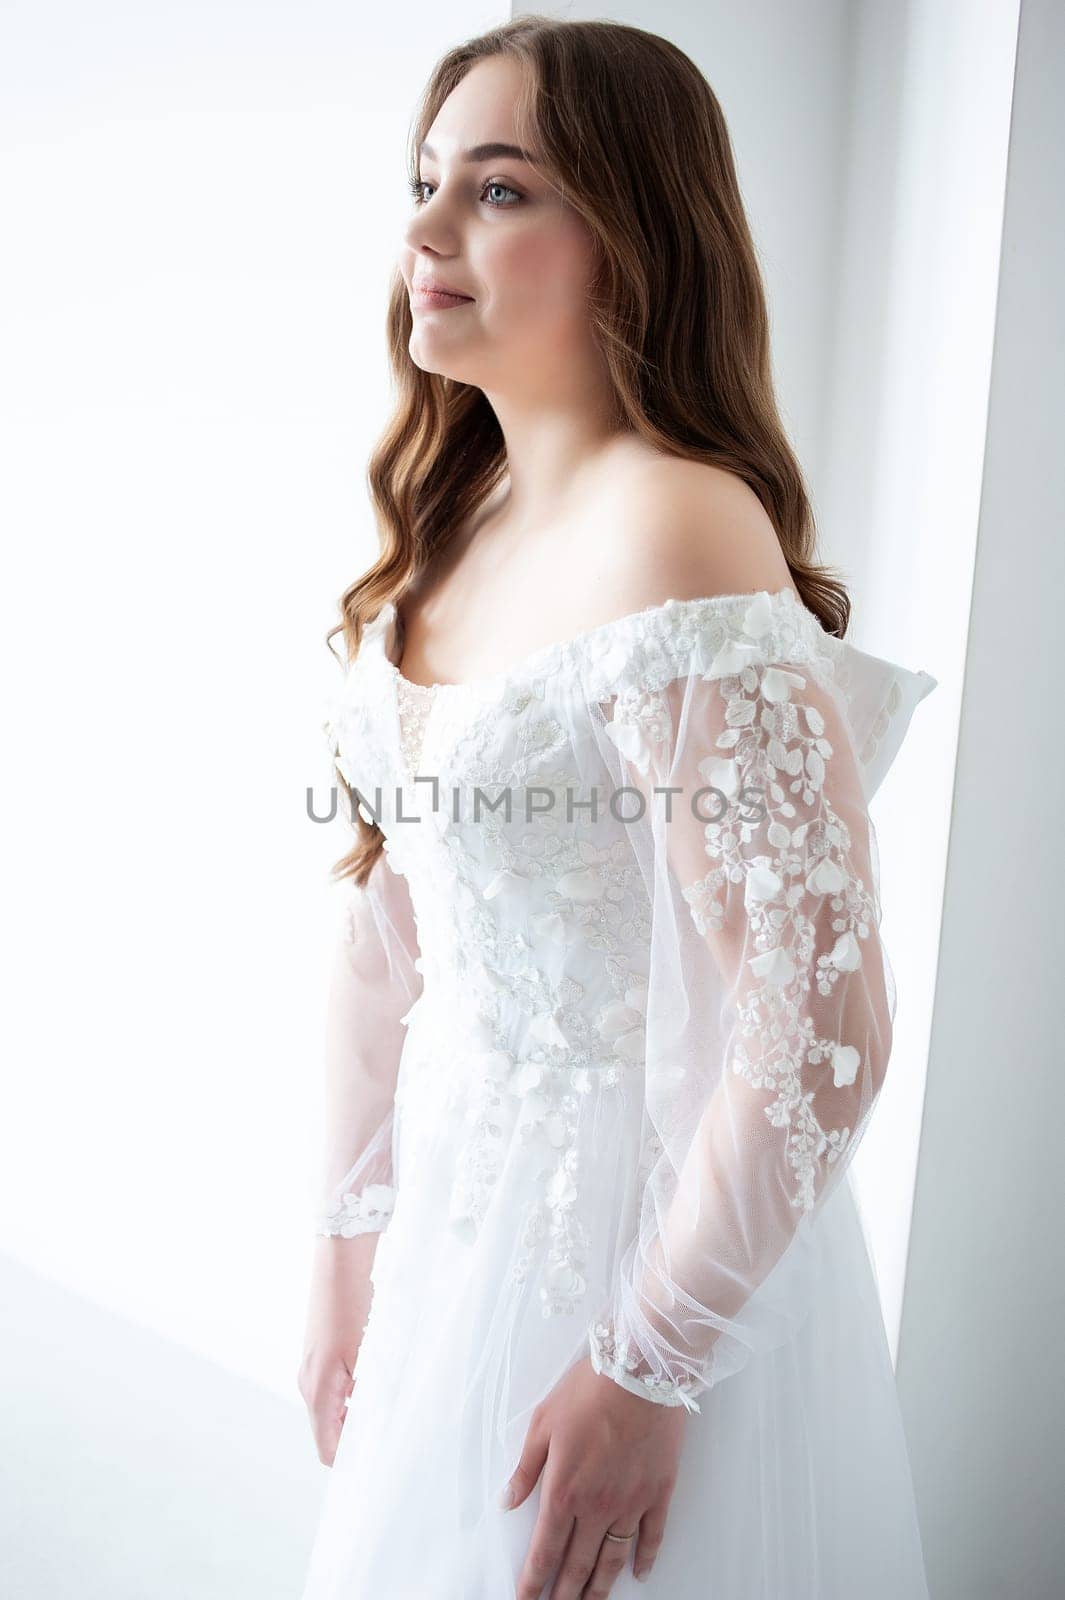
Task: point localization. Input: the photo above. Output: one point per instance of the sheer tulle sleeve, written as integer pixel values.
(375, 980)
(373, 985)
(769, 1005)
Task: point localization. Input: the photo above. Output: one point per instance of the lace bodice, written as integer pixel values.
(414, 703)
(652, 1008)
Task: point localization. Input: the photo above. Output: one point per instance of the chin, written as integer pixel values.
(442, 365)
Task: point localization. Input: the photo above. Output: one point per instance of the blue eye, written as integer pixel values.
(417, 186)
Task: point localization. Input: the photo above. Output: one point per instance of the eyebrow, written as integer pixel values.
(484, 152)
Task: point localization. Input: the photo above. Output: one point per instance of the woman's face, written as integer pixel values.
(494, 230)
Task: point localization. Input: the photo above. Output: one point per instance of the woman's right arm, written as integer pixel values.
(374, 983)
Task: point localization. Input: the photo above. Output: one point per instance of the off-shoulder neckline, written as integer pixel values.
(588, 639)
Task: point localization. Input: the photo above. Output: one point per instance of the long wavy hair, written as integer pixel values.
(633, 135)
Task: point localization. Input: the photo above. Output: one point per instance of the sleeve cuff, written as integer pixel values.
(615, 1361)
(369, 1211)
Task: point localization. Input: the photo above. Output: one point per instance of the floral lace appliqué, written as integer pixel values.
(786, 860)
(368, 1211)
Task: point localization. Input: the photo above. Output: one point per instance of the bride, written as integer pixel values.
(591, 1299)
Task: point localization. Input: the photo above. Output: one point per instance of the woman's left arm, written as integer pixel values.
(770, 1012)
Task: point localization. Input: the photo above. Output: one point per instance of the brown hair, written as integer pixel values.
(677, 307)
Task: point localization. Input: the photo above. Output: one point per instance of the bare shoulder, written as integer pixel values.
(682, 530)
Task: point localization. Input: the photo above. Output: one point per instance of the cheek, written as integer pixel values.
(540, 275)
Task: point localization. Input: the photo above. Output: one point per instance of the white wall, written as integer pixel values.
(980, 1357)
(904, 425)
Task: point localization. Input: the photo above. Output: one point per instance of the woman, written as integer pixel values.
(597, 1063)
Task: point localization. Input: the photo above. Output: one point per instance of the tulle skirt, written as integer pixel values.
(794, 1480)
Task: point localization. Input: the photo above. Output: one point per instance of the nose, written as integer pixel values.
(431, 227)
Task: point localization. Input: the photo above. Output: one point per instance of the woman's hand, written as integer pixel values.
(341, 1293)
(611, 1466)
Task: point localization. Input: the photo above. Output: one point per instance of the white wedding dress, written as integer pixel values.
(607, 1022)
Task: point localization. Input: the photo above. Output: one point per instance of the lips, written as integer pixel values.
(436, 286)
(431, 292)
